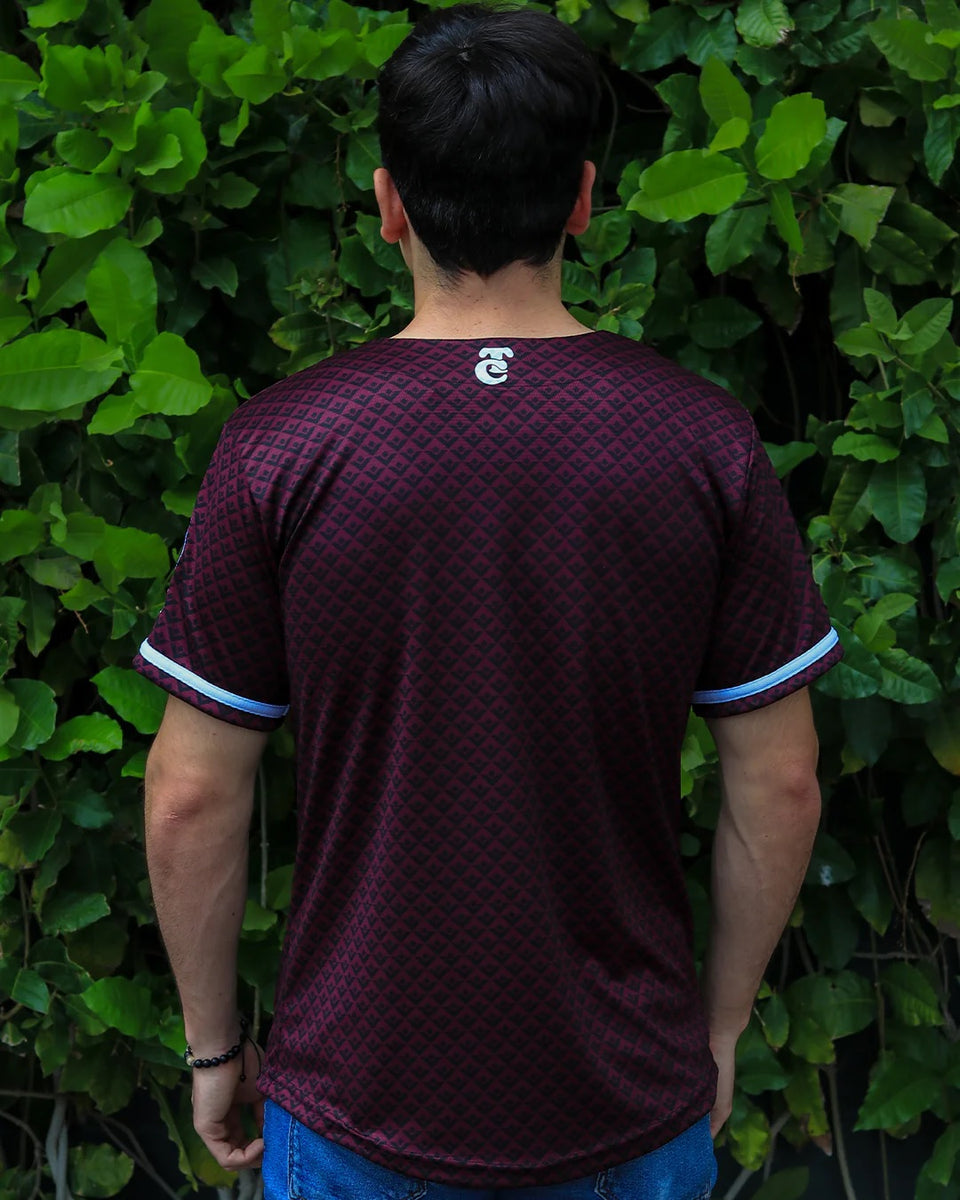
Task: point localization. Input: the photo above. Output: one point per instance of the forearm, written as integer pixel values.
(761, 850)
(197, 862)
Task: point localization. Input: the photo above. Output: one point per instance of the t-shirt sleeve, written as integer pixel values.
(771, 633)
(218, 642)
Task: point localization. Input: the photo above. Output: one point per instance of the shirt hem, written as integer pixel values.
(432, 1169)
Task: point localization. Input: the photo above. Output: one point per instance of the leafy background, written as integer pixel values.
(186, 208)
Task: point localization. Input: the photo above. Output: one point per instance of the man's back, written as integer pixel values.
(487, 596)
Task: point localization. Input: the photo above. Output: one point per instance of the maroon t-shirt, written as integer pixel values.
(486, 579)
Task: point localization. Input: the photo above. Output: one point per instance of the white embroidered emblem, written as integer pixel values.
(491, 368)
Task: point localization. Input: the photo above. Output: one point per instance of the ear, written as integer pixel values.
(579, 219)
(393, 220)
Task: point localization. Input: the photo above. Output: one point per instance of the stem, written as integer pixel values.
(56, 1146)
(26, 1131)
(838, 1140)
(613, 127)
(134, 1150)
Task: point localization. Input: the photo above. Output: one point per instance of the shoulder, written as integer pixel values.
(675, 389)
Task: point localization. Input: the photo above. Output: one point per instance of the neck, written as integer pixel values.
(518, 301)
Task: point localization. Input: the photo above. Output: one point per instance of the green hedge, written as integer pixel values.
(187, 210)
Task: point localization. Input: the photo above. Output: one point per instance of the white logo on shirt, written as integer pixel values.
(491, 368)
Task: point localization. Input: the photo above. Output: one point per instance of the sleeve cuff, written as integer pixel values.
(209, 697)
(755, 693)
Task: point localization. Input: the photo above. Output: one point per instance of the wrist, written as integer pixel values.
(209, 1044)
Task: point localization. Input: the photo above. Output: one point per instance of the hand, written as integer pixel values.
(723, 1049)
(219, 1099)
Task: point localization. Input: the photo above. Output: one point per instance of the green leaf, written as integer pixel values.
(829, 864)
(257, 919)
(903, 42)
(937, 884)
(38, 712)
(757, 1067)
(64, 912)
(98, 1170)
(279, 884)
(870, 893)
(86, 808)
(169, 27)
(687, 183)
(939, 1167)
(763, 22)
(911, 994)
(785, 1185)
(661, 40)
(64, 276)
(230, 131)
(168, 379)
(379, 44)
(940, 141)
(860, 209)
(96, 733)
(943, 739)
(907, 680)
(898, 256)
(899, 1090)
(29, 989)
(323, 53)
(9, 715)
(898, 496)
(122, 1004)
(122, 294)
(721, 321)
(14, 318)
(17, 79)
(49, 13)
(182, 125)
(218, 273)
(784, 217)
(734, 236)
(786, 457)
(713, 39)
(35, 832)
(866, 447)
(130, 553)
(64, 201)
(882, 314)
(133, 697)
(927, 323)
(858, 674)
(56, 370)
(257, 76)
(21, 532)
(730, 135)
(795, 125)
(722, 95)
(826, 1007)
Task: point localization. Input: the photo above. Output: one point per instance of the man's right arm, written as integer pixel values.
(767, 824)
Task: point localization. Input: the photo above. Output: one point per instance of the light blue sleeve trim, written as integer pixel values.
(787, 671)
(174, 669)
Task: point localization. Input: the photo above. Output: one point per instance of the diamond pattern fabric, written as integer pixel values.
(488, 578)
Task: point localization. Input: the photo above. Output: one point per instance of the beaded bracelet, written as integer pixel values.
(218, 1059)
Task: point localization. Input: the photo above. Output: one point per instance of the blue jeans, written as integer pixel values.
(299, 1164)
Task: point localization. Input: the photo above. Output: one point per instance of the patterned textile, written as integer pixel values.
(488, 578)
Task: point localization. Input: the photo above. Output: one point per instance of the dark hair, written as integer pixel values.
(485, 120)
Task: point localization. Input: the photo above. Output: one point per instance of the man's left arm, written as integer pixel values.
(200, 781)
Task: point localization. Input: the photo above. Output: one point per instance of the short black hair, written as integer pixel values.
(486, 117)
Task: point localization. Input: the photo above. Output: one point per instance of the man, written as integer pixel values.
(485, 566)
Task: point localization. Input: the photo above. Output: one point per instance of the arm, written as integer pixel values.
(199, 798)
(768, 821)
